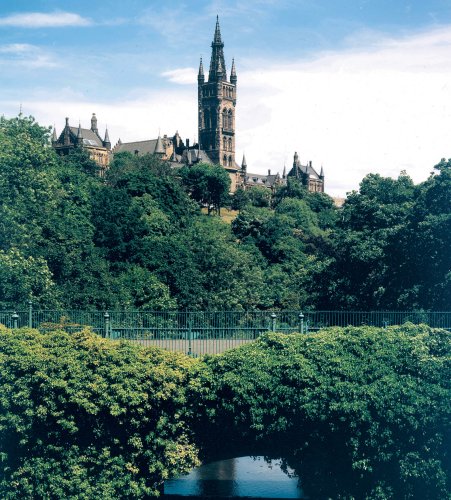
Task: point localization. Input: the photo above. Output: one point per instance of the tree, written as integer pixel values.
(367, 267)
(427, 240)
(209, 185)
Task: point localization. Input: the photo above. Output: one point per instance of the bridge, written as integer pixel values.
(207, 332)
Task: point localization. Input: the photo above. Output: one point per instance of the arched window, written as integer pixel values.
(230, 120)
(224, 118)
(224, 161)
(230, 161)
(224, 143)
(212, 118)
(230, 144)
(207, 119)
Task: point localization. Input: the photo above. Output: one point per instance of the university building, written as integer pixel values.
(77, 137)
(217, 98)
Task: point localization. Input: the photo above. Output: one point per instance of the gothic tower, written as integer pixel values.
(217, 100)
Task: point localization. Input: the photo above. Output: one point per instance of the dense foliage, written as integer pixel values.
(359, 413)
(139, 237)
(83, 417)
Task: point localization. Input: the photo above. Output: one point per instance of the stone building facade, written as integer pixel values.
(89, 139)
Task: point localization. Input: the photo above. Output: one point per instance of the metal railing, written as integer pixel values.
(207, 332)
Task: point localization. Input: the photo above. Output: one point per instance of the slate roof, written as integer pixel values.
(262, 180)
(305, 169)
(90, 138)
(143, 147)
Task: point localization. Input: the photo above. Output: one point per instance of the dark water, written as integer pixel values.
(236, 477)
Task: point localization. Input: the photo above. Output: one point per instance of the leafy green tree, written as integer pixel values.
(140, 289)
(24, 278)
(239, 199)
(367, 267)
(209, 185)
(259, 196)
(427, 240)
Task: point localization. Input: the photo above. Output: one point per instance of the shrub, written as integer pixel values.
(84, 417)
(358, 412)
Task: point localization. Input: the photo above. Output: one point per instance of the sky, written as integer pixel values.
(355, 86)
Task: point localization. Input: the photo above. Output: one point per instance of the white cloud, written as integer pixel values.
(25, 55)
(183, 76)
(44, 20)
(380, 108)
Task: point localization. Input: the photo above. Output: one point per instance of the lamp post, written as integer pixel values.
(301, 322)
(30, 314)
(273, 321)
(107, 324)
(15, 318)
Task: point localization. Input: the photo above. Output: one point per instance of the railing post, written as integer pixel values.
(273, 321)
(301, 322)
(30, 314)
(107, 324)
(15, 318)
(190, 337)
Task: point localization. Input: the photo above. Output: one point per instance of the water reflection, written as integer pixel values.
(237, 477)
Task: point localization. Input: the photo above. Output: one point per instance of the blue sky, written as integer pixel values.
(356, 86)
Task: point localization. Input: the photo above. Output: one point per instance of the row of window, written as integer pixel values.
(227, 161)
(211, 91)
(227, 144)
(210, 118)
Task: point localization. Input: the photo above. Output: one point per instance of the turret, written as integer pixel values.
(244, 165)
(159, 149)
(54, 136)
(67, 132)
(233, 78)
(94, 123)
(79, 142)
(201, 76)
(106, 141)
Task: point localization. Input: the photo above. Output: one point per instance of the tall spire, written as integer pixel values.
(200, 76)
(244, 164)
(217, 64)
(233, 73)
(106, 141)
(159, 149)
(217, 37)
(54, 136)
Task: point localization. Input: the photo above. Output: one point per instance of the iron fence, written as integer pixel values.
(208, 332)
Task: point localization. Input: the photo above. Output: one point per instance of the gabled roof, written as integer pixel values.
(304, 169)
(90, 138)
